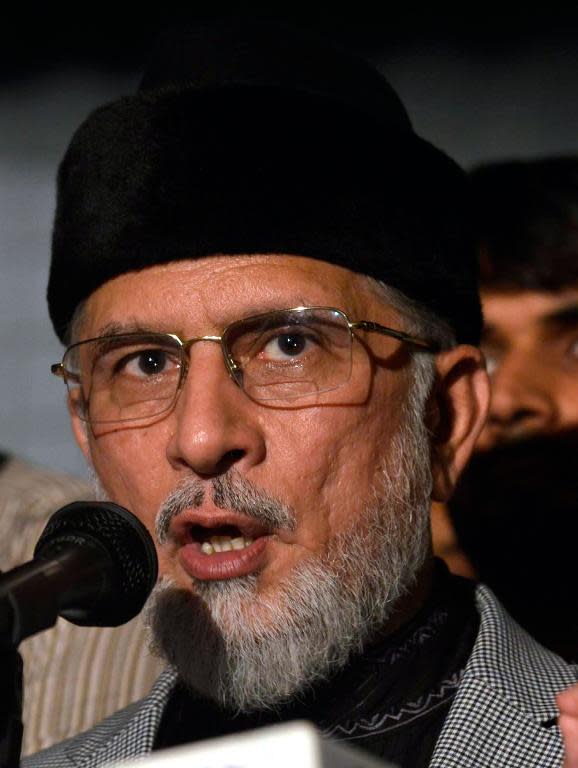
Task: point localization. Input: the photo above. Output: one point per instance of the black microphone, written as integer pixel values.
(95, 564)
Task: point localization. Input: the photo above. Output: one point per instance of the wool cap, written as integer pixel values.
(261, 139)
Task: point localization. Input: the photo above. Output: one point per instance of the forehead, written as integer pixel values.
(219, 289)
(515, 312)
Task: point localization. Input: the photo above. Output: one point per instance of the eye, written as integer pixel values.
(284, 345)
(145, 363)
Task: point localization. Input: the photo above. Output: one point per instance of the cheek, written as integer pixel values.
(131, 465)
(326, 461)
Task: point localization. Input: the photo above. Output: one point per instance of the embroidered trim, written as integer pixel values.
(421, 635)
(381, 722)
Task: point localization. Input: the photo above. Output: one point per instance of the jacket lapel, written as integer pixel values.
(483, 730)
(128, 734)
(504, 714)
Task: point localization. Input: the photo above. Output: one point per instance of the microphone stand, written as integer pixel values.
(26, 607)
(10, 703)
(95, 564)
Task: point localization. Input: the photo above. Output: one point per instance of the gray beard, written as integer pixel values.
(249, 651)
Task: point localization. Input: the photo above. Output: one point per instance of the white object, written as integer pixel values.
(291, 745)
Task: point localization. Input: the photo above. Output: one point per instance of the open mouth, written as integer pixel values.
(224, 538)
(217, 544)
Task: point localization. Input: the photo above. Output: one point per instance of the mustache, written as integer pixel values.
(230, 491)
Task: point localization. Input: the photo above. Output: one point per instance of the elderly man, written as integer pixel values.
(268, 289)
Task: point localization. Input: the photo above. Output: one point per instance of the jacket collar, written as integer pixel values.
(505, 712)
(128, 734)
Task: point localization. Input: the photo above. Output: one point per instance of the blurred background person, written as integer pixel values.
(528, 225)
(513, 520)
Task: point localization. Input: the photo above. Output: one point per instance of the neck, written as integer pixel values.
(412, 602)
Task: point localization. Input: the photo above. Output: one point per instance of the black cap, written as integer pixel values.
(262, 139)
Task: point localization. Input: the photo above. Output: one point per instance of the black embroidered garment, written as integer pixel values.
(390, 701)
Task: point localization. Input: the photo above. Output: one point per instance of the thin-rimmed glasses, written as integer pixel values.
(276, 356)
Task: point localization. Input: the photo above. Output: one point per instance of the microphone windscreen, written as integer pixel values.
(129, 557)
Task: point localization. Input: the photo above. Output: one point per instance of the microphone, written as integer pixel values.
(95, 564)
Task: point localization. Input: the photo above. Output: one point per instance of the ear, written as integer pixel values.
(458, 410)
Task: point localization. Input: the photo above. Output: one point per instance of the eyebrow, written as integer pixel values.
(120, 329)
(564, 317)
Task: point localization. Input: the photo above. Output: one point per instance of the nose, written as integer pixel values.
(216, 424)
(523, 400)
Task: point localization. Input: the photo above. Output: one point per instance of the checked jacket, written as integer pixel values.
(503, 715)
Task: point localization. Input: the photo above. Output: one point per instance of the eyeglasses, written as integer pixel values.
(276, 357)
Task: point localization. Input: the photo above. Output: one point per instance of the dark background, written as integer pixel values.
(483, 83)
(119, 37)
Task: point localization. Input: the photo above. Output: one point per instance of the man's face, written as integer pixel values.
(327, 496)
(531, 343)
(319, 459)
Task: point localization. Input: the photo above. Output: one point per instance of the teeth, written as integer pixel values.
(225, 544)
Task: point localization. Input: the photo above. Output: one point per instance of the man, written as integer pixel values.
(515, 509)
(528, 222)
(268, 289)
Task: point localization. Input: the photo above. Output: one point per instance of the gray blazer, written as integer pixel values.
(503, 715)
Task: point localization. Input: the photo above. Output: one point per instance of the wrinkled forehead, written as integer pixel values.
(207, 294)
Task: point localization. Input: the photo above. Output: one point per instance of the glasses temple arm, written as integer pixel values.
(59, 370)
(366, 325)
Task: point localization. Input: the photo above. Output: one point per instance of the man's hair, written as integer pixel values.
(421, 322)
(417, 319)
(526, 215)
